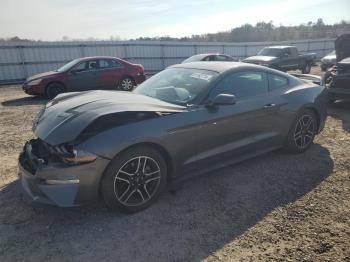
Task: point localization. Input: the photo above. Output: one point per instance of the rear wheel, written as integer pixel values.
(126, 84)
(302, 133)
(52, 90)
(134, 179)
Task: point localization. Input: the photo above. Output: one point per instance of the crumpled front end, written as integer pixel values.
(48, 178)
(337, 80)
(64, 165)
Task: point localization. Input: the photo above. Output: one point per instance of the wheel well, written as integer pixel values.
(55, 82)
(159, 149)
(318, 119)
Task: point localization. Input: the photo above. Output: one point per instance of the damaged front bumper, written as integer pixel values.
(58, 183)
(338, 83)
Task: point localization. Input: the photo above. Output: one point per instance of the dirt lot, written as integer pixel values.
(276, 207)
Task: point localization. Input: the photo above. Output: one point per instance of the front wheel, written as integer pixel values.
(126, 84)
(52, 90)
(302, 133)
(134, 179)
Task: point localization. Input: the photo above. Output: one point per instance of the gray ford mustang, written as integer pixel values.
(190, 118)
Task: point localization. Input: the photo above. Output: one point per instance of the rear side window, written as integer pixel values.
(243, 84)
(277, 82)
(109, 63)
(209, 58)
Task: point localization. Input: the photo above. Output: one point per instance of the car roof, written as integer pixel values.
(95, 57)
(218, 66)
(280, 46)
(207, 54)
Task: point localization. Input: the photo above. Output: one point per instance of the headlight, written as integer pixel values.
(34, 82)
(73, 156)
(79, 157)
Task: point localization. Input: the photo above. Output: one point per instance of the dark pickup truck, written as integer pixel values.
(283, 58)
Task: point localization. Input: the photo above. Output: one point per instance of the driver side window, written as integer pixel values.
(92, 65)
(242, 85)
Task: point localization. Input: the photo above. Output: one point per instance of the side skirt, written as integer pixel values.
(187, 176)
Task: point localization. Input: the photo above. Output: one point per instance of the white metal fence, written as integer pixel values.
(18, 60)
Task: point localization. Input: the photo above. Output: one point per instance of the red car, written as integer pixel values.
(86, 73)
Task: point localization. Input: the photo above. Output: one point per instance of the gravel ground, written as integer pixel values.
(276, 207)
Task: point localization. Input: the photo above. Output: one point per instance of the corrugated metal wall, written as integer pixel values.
(18, 60)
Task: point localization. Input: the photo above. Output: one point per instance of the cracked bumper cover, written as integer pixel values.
(59, 184)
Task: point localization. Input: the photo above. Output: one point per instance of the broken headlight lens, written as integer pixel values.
(74, 156)
(80, 157)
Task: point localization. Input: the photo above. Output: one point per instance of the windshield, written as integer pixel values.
(177, 85)
(193, 59)
(331, 53)
(67, 66)
(267, 51)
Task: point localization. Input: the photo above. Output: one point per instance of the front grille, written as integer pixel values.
(34, 154)
(26, 163)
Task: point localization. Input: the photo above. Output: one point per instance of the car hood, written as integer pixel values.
(66, 116)
(342, 47)
(344, 64)
(42, 75)
(259, 58)
(330, 58)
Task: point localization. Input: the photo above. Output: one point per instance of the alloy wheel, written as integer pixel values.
(127, 84)
(137, 181)
(304, 131)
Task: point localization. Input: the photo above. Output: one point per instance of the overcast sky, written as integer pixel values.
(53, 19)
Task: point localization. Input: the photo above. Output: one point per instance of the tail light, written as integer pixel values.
(141, 69)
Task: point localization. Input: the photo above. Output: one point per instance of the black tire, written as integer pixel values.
(53, 89)
(306, 68)
(126, 84)
(302, 133)
(131, 181)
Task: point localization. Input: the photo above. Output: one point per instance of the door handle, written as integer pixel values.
(269, 105)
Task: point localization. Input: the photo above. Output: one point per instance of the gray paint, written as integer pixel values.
(196, 138)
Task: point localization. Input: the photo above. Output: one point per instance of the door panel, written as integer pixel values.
(228, 131)
(81, 81)
(84, 76)
(288, 62)
(233, 130)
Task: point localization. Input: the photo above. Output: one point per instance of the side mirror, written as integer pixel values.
(223, 99)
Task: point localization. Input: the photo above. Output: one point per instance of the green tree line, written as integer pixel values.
(263, 31)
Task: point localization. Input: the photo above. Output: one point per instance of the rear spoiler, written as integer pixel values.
(309, 78)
